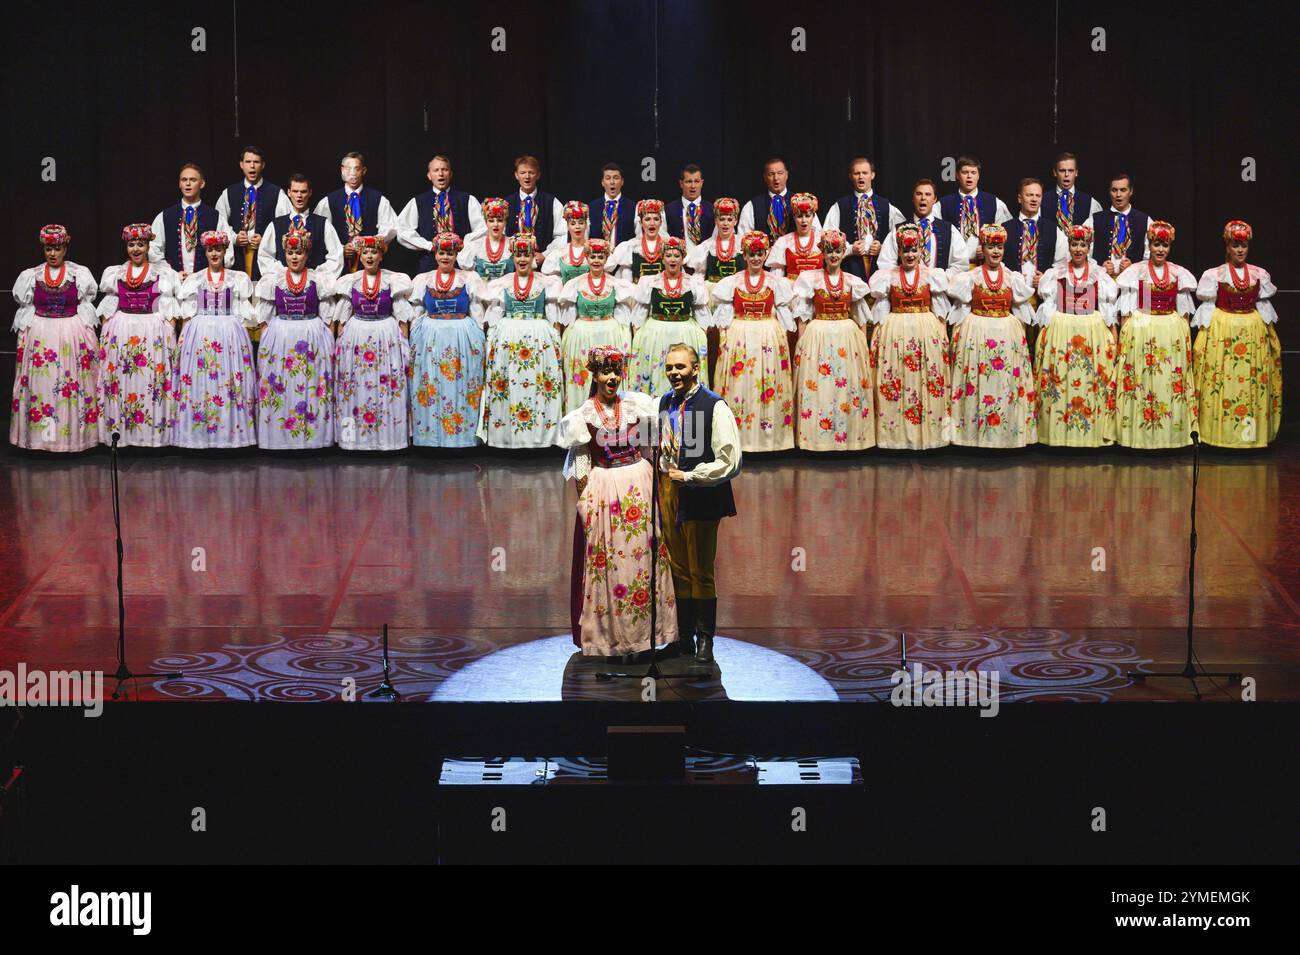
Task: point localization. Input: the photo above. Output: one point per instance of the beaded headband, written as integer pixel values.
(645, 206)
(1083, 231)
(214, 239)
(297, 240)
(755, 242)
(597, 247)
(803, 202)
(676, 243)
(523, 243)
(605, 358)
(448, 242)
(833, 240)
(726, 206)
(1237, 231)
(137, 230)
(495, 208)
(54, 235)
(909, 236)
(994, 234)
(359, 242)
(573, 209)
(1160, 231)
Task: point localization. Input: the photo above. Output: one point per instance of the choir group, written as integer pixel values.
(961, 322)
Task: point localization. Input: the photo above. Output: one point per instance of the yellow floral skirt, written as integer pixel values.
(1075, 362)
(1238, 362)
(1156, 391)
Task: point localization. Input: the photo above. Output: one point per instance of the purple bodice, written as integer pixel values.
(214, 303)
(137, 301)
(612, 449)
(381, 306)
(304, 305)
(58, 302)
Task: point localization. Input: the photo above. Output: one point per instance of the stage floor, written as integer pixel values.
(269, 577)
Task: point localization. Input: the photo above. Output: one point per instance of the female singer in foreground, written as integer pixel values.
(608, 440)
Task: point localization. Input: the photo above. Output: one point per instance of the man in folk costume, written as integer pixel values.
(770, 212)
(865, 218)
(700, 454)
(249, 206)
(1120, 232)
(968, 208)
(357, 210)
(942, 246)
(177, 228)
(1072, 205)
(326, 251)
(612, 216)
(440, 210)
(533, 211)
(691, 216)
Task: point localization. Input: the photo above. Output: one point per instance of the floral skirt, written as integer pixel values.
(295, 385)
(614, 512)
(1156, 391)
(992, 384)
(523, 403)
(215, 385)
(446, 381)
(136, 355)
(754, 378)
(650, 350)
(1076, 382)
(56, 400)
(1239, 380)
(909, 357)
(580, 338)
(832, 375)
(371, 359)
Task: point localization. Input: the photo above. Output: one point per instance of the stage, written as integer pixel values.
(268, 577)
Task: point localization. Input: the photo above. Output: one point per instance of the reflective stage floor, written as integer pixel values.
(270, 577)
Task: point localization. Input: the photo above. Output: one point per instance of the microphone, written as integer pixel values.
(117, 436)
(1196, 437)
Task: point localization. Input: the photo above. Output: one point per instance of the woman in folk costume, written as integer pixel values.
(642, 255)
(138, 343)
(667, 309)
(447, 350)
(215, 384)
(993, 401)
(1156, 394)
(609, 437)
(832, 363)
(800, 250)
(719, 255)
(489, 254)
(1076, 349)
(524, 376)
(295, 366)
(909, 350)
(1238, 356)
(754, 375)
(373, 355)
(56, 403)
(568, 259)
(595, 309)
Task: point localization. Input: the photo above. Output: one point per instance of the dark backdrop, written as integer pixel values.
(1182, 93)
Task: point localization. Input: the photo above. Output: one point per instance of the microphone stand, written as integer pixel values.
(1189, 671)
(386, 690)
(123, 673)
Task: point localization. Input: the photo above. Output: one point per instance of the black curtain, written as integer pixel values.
(116, 95)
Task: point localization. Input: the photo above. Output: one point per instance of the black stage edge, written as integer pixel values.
(354, 782)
